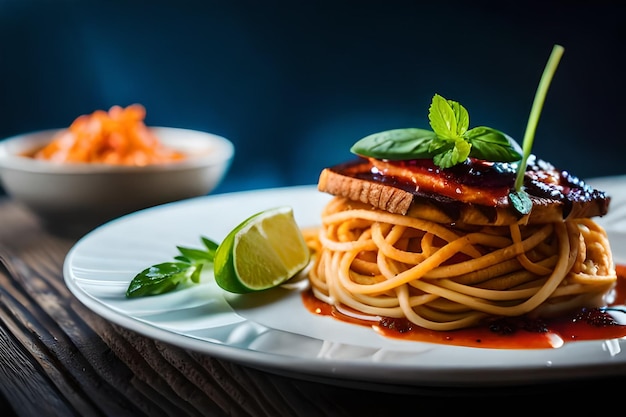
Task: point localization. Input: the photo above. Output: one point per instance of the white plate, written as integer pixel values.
(282, 336)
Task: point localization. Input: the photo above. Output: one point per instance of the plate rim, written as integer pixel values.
(338, 371)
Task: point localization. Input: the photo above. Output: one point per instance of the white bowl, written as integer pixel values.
(87, 193)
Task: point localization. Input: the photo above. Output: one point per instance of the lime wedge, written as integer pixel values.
(262, 252)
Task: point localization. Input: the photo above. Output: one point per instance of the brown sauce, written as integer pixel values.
(506, 333)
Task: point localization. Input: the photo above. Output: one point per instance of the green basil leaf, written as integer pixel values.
(462, 117)
(521, 202)
(449, 143)
(462, 150)
(158, 279)
(454, 155)
(442, 118)
(448, 118)
(165, 277)
(396, 144)
(445, 159)
(438, 146)
(491, 145)
(196, 255)
(195, 274)
(209, 244)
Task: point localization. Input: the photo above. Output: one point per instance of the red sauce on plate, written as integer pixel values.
(506, 333)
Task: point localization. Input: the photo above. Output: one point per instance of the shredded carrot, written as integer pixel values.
(117, 137)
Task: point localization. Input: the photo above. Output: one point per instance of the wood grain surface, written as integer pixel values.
(58, 358)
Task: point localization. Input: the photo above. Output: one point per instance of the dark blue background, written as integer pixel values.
(294, 84)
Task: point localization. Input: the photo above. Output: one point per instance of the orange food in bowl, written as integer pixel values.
(117, 137)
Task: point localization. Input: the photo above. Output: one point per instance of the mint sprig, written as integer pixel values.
(450, 142)
(165, 277)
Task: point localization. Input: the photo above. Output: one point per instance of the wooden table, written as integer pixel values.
(58, 358)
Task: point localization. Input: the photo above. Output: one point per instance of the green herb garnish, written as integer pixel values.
(165, 277)
(518, 197)
(450, 142)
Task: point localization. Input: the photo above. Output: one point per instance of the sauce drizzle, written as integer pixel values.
(602, 323)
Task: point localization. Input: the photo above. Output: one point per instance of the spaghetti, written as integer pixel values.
(371, 263)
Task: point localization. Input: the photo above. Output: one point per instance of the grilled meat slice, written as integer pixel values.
(472, 193)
